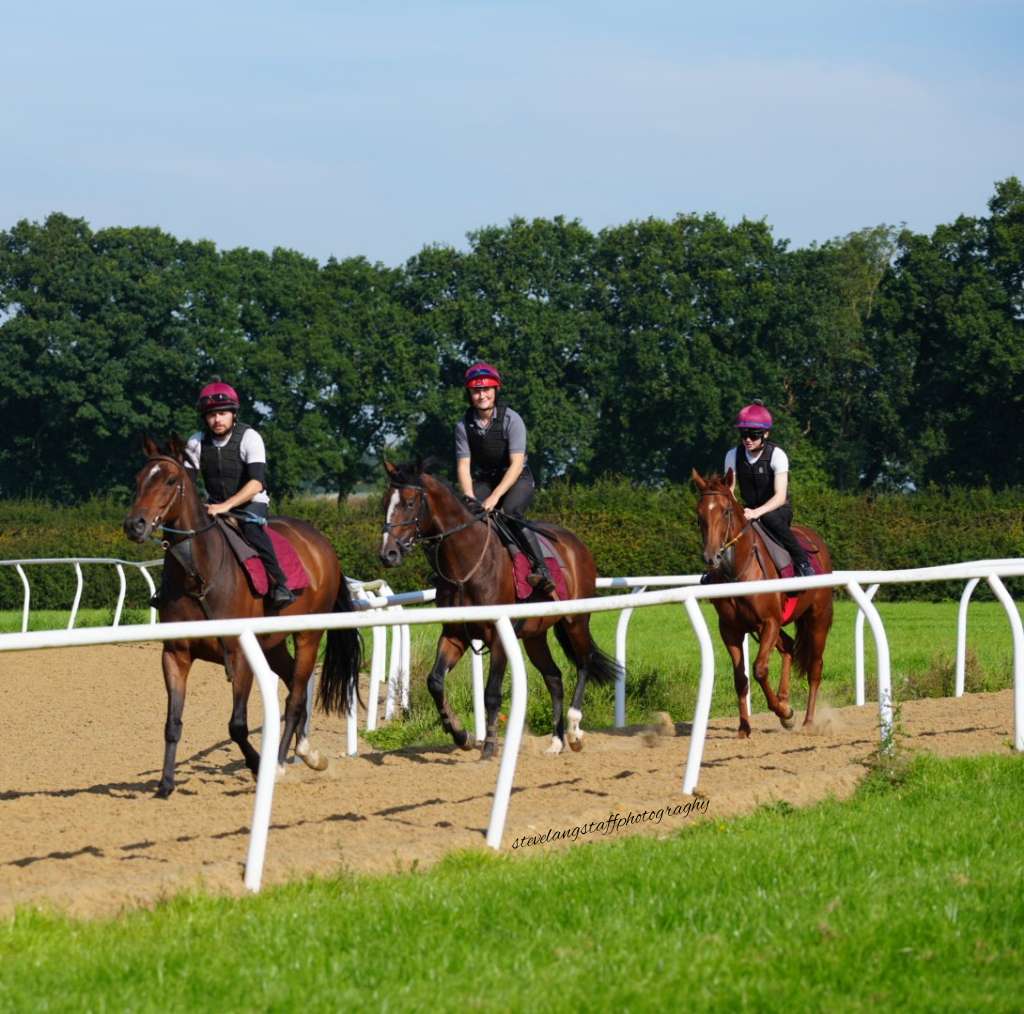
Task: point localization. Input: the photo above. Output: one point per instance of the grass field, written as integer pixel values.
(909, 896)
(663, 663)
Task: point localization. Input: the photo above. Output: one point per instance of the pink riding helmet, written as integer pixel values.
(754, 417)
(217, 397)
(482, 375)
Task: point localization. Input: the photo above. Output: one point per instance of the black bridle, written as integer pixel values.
(433, 542)
(729, 516)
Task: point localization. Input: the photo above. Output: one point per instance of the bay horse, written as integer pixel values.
(473, 568)
(203, 580)
(734, 551)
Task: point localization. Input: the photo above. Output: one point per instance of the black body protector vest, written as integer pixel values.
(488, 452)
(222, 467)
(757, 481)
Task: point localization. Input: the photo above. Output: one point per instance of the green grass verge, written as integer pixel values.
(910, 895)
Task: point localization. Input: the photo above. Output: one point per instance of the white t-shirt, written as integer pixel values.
(779, 462)
(251, 450)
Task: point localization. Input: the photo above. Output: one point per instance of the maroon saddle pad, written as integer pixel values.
(522, 569)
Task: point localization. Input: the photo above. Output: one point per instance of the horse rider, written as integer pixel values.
(233, 461)
(490, 459)
(761, 468)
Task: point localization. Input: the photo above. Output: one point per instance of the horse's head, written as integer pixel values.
(719, 514)
(405, 511)
(160, 489)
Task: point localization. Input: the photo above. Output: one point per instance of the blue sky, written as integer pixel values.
(344, 129)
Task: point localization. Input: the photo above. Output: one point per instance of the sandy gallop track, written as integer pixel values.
(81, 743)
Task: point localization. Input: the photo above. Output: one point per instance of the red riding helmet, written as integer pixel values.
(217, 397)
(482, 375)
(754, 417)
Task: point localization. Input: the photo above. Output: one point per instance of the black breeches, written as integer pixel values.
(515, 501)
(778, 522)
(257, 537)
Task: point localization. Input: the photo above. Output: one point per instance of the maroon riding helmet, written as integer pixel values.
(217, 397)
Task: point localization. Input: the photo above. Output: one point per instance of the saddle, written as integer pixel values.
(252, 565)
(522, 567)
(784, 563)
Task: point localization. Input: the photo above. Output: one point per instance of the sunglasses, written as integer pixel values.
(751, 434)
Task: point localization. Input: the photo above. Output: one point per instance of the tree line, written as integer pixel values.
(890, 359)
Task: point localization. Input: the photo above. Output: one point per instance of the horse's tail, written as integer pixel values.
(339, 678)
(600, 667)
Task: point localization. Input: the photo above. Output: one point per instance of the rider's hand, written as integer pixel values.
(749, 514)
(213, 509)
(490, 503)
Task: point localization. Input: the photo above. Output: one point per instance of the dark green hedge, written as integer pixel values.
(630, 531)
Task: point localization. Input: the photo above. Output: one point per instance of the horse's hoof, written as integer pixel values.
(489, 751)
(743, 734)
(556, 747)
(461, 739)
(790, 720)
(576, 744)
(282, 770)
(163, 792)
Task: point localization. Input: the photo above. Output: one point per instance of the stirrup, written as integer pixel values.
(281, 596)
(541, 581)
(805, 569)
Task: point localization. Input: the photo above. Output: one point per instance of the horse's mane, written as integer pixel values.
(410, 473)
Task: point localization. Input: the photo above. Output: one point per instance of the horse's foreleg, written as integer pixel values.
(492, 697)
(175, 666)
(733, 641)
(769, 635)
(785, 647)
(238, 725)
(540, 655)
(449, 651)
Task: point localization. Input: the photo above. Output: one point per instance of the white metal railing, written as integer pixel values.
(77, 561)
(248, 629)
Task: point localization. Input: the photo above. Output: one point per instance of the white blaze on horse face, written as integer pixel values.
(387, 519)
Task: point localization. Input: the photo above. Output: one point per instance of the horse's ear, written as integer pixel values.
(149, 446)
(176, 447)
(728, 480)
(389, 468)
(429, 465)
(698, 479)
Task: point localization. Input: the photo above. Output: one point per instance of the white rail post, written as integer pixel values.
(380, 648)
(26, 599)
(269, 743)
(476, 668)
(882, 650)
(152, 591)
(961, 636)
(513, 733)
(621, 629)
(1018, 659)
(78, 596)
(858, 649)
(406, 640)
(702, 711)
(120, 596)
(394, 665)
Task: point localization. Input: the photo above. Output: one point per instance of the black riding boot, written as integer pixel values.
(541, 576)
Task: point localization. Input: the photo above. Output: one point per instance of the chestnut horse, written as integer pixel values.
(475, 569)
(735, 551)
(203, 580)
